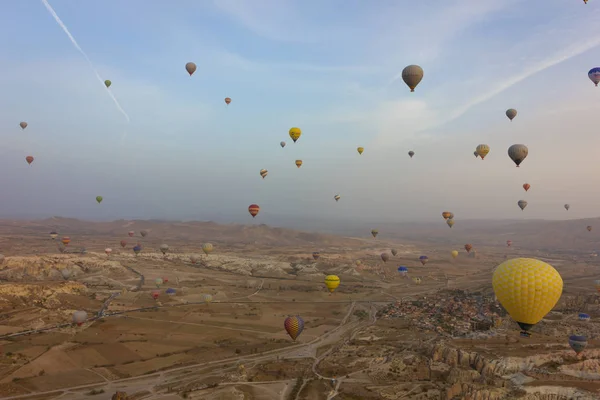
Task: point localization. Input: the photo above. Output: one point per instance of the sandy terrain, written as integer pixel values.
(236, 347)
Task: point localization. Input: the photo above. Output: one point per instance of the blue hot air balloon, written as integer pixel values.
(577, 343)
(136, 249)
(594, 75)
(171, 291)
(423, 259)
(403, 270)
(584, 317)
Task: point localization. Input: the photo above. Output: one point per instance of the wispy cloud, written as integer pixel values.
(72, 39)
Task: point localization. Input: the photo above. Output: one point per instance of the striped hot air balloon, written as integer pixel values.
(253, 209)
(294, 326)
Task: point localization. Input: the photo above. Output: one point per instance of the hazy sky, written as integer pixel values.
(332, 68)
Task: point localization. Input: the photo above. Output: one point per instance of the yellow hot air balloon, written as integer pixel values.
(332, 282)
(298, 163)
(295, 134)
(482, 150)
(360, 150)
(527, 288)
(454, 253)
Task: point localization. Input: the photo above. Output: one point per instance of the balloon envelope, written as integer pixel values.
(190, 68)
(594, 75)
(294, 326)
(527, 288)
(511, 113)
(332, 282)
(412, 76)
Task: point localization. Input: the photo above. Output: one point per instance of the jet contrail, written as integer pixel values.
(72, 39)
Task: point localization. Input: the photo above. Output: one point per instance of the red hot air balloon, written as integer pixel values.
(227, 100)
(294, 326)
(468, 248)
(131, 233)
(508, 243)
(29, 159)
(155, 294)
(253, 209)
(526, 186)
(123, 243)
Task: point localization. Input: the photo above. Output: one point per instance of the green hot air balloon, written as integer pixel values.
(107, 83)
(99, 199)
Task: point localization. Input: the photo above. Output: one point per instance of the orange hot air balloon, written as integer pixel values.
(253, 209)
(446, 214)
(468, 248)
(298, 163)
(227, 100)
(29, 159)
(66, 240)
(526, 186)
(294, 326)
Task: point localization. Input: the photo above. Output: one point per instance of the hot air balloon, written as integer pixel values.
(511, 113)
(99, 199)
(589, 228)
(594, 75)
(522, 204)
(468, 247)
(190, 68)
(394, 252)
(193, 259)
(144, 233)
(385, 257)
(137, 249)
(66, 240)
(337, 197)
(227, 100)
(508, 243)
(374, 232)
(417, 280)
(207, 298)
(567, 206)
(79, 317)
(170, 292)
(423, 259)
(107, 83)
(446, 214)
(518, 153)
(155, 294)
(577, 343)
(526, 186)
(263, 173)
(450, 222)
(165, 280)
(282, 144)
(298, 163)
(482, 150)
(207, 248)
(294, 326)
(123, 243)
(158, 282)
(527, 288)
(454, 253)
(29, 159)
(316, 255)
(411, 154)
(476, 154)
(253, 209)
(584, 317)
(53, 234)
(23, 124)
(403, 270)
(295, 133)
(360, 150)
(412, 76)
(164, 248)
(66, 273)
(108, 250)
(585, 1)
(332, 282)
(131, 233)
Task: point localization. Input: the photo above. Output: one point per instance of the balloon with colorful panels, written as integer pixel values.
(294, 325)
